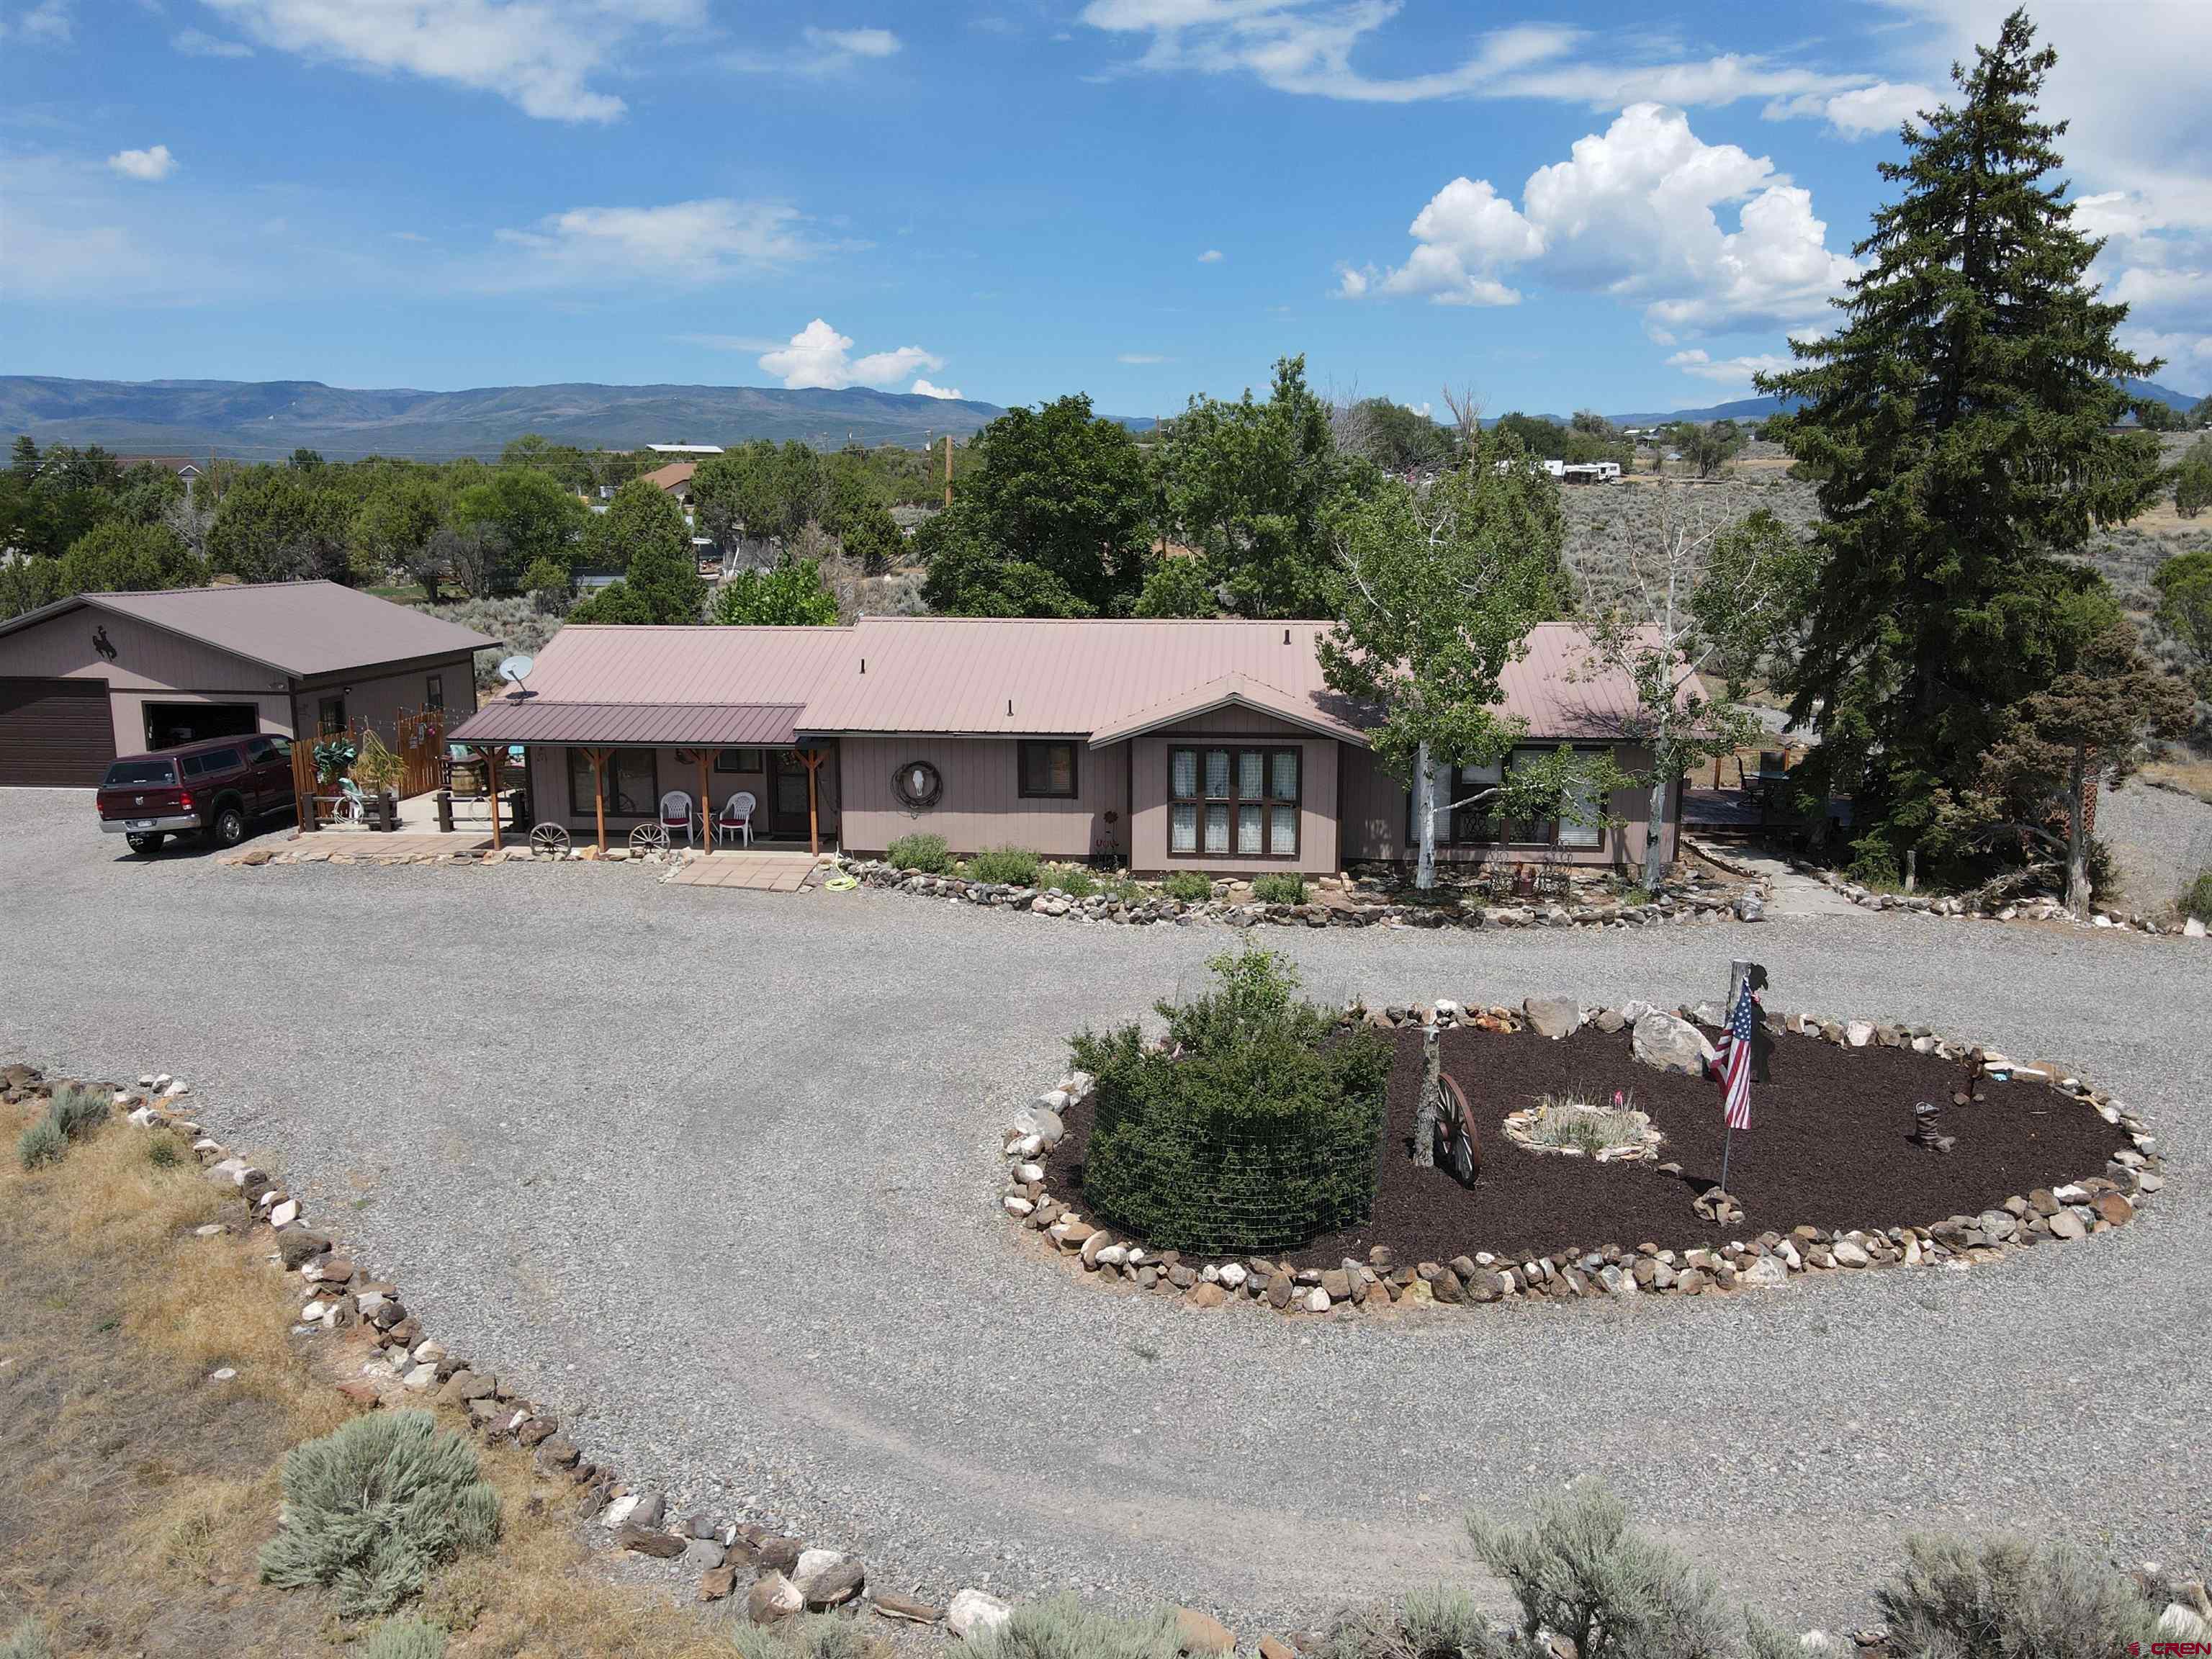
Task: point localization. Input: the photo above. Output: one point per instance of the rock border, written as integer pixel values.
(2042, 908)
(411, 1366)
(1610, 1272)
(1683, 902)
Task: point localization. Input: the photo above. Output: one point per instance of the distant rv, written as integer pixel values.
(1584, 472)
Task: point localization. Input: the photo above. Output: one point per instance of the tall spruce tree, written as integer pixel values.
(1957, 422)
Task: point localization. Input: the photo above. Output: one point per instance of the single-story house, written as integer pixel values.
(89, 678)
(1207, 746)
(674, 479)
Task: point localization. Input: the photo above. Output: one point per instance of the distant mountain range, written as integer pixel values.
(267, 420)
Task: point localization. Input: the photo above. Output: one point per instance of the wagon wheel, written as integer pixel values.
(649, 838)
(549, 838)
(1459, 1127)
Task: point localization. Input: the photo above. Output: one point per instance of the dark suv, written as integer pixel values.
(213, 789)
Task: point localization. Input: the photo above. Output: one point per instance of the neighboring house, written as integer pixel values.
(87, 678)
(674, 479)
(1207, 746)
(685, 449)
(182, 465)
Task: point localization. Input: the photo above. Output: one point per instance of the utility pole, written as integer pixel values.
(948, 469)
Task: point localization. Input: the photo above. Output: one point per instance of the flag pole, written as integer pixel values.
(1728, 1143)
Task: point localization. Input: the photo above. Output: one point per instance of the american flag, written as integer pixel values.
(1735, 1059)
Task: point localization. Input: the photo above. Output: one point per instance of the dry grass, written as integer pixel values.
(135, 1492)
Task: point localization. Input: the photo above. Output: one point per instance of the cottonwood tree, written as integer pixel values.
(1957, 422)
(2185, 609)
(1700, 606)
(1437, 586)
(2078, 735)
(396, 523)
(791, 595)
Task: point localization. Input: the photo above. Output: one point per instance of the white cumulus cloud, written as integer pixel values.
(1729, 371)
(1634, 212)
(1213, 256)
(149, 165)
(1861, 113)
(924, 389)
(818, 355)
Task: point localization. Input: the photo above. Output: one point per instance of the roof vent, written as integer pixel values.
(1287, 637)
(1010, 708)
(864, 664)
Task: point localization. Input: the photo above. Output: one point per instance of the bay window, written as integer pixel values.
(1230, 802)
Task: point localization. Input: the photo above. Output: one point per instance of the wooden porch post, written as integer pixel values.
(813, 762)
(598, 759)
(705, 805)
(491, 783)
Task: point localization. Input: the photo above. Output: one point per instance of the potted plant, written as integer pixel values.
(380, 771)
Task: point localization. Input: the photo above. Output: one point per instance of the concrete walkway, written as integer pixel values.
(717, 1175)
(1790, 893)
(761, 872)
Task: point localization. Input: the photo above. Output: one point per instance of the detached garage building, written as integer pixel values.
(99, 675)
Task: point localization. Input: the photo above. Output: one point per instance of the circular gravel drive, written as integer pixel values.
(716, 1173)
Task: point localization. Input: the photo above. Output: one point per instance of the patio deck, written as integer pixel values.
(762, 872)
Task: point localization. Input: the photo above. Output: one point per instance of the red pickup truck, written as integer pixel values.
(213, 789)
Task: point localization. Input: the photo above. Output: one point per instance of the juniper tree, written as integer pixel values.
(1957, 422)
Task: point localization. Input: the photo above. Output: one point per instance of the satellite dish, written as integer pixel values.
(515, 670)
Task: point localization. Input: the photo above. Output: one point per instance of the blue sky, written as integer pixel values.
(1552, 206)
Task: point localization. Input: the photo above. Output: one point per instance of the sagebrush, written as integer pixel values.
(2197, 897)
(26, 1641)
(1255, 1130)
(1061, 1627)
(73, 1113)
(1953, 1599)
(370, 1508)
(1279, 888)
(1187, 887)
(42, 1142)
(405, 1638)
(821, 1636)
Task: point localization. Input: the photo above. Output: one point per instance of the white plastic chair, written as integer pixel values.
(676, 814)
(737, 817)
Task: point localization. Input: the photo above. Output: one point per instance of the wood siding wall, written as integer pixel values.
(374, 699)
(1318, 787)
(151, 664)
(1377, 809)
(982, 804)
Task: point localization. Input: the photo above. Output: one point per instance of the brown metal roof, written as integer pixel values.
(305, 628)
(1105, 680)
(696, 726)
(672, 475)
(701, 664)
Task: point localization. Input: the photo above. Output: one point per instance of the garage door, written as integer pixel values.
(55, 732)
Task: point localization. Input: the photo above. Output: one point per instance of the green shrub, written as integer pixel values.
(1259, 1133)
(42, 1143)
(372, 1507)
(2009, 1598)
(1015, 866)
(405, 1638)
(1874, 863)
(927, 853)
(1434, 1624)
(1187, 887)
(2197, 897)
(1061, 1627)
(1581, 1571)
(161, 1151)
(78, 1110)
(1076, 880)
(1279, 889)
(26, 1641)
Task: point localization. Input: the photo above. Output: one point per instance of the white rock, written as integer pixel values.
(122, 1097)
(178, 1087)
(210, 1229)
(1670, 1044)
(222, 1374)
(143, 1117)
(285, 1213)
(971, 1612)
(2070, 1194)
(2192, 928)
(1018, 1205)
(312, 1313)
(1233, 1274)
(1211, 1274)
(620, 1510)
(1028, 1147)
(1848, 1255)
(1113, 1255)
(812, 1563)
(229, 1172)
(267, 1198)
(145, 1080)
(422, 1379)
(1859, 1033)
(1315, 1300)
(1766, 1272)
(1029, 1172)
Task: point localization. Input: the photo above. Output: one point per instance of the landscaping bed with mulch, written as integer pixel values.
(1829, 1147)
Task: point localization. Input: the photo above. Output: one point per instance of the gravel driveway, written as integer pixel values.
(715, 1172)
